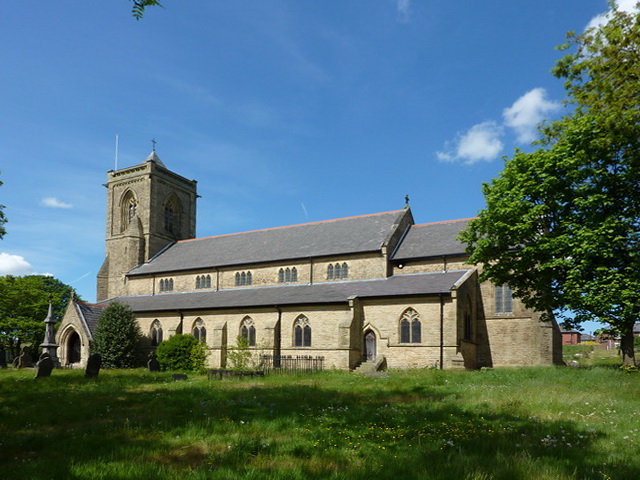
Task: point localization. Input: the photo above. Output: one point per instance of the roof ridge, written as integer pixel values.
(443, 221)
(288, 226)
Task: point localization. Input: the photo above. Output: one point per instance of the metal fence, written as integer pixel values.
(291, 363)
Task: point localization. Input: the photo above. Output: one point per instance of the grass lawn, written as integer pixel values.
(537, 423)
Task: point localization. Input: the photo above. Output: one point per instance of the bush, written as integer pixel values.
(117, 337)
(199, 357)
(175, 353)
(240, 356)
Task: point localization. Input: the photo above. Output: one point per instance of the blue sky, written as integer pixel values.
(285, 111)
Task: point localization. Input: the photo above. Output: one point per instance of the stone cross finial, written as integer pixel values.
(153, 143)
(406, 200)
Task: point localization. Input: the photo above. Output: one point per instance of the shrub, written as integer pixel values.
(240, 355)
(175, 353)
(199, 357)
(117, 337)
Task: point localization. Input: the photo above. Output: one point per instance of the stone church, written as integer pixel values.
(375, 288)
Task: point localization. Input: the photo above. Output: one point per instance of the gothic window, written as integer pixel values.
(338, 272)
(166, 285)
(504, 299)
(248, 331)
(128, 210)
(302, 332)
(156, 333)
(168, 219)
(199, 331)
(243, 278)
(288, 275)
(203, 281)
(410, 327)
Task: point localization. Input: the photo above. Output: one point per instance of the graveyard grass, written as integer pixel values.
(536, 423)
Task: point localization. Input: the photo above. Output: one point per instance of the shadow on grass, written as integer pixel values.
(134, 425)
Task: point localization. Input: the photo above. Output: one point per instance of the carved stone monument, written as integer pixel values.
(24, 360)
(49, 345)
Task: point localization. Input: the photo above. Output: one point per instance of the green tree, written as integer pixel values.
(24, 302)
(139, 6)
(117, 337)
(175, 353)
(562, 223)
(3, 219)
(240, 356)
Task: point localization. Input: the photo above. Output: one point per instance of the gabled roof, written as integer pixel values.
(90, 314)
(424, 284)
(367, 233)
(432, 240)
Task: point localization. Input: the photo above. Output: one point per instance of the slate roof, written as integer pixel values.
(91, 313)
(432, 240)
(367, 233)
(424, 284)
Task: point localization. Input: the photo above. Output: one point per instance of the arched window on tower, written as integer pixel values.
(169, 219)
(128, 211)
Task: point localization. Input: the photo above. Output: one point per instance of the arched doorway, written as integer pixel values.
(74, 348)
(369, 346)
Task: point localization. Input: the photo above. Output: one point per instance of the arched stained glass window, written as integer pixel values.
(199, 331)
(248, 331)
(330, 272)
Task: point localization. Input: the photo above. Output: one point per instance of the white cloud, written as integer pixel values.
(527, 112)
(480, 143)
(14, 265)
(53, 202)
(404, 9)
(623, 5)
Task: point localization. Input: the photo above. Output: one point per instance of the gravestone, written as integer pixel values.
(153, 365)
(93, 365)
(44, 366)
(3, 359)
(179, 376)
(24, 360)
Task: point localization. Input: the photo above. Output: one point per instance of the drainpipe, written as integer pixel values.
(441, 332)
(179, 329)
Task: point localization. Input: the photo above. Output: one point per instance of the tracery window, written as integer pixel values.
(199, 331)
(243, 278)
(504, 299)
(410, 327)
(156, 333)
(128, 210)
(248, 331)
(302, 332)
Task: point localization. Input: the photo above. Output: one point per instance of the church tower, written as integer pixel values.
(148, 207)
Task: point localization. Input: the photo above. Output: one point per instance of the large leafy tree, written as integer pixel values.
(139, 6)
(562, 223)
(3, 219)
(24, 302)
(117, 337)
